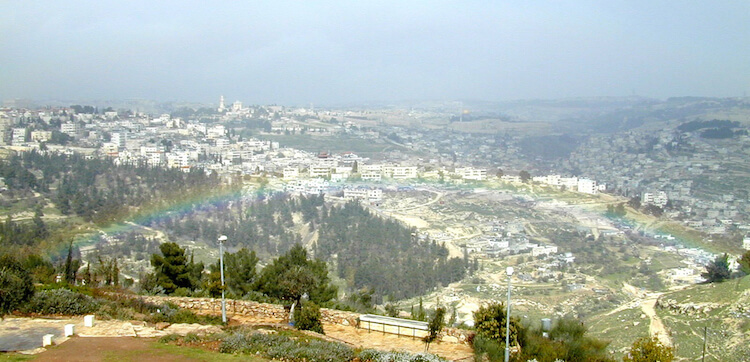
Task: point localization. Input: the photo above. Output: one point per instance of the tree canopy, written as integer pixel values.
(172, 269)
(744, 262)
(292, 275)
(16, 285)
(649, 349)
(717, 270)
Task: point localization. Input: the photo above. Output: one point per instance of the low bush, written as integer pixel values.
(288, 346)
(372, 355)
(486, 348)
(61, 301)
(191, 338)
(169, 338)
(171, 313)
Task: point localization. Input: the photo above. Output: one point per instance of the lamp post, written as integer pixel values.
(222, 239)
(509, 272)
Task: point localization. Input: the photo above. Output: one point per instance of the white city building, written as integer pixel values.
(470, 173)
(69, 128)
(587, 186)
(655, 198)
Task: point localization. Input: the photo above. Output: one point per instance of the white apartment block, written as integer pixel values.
(371, 175)
(152, 148)
(544, 250)
(178, 159)
(570, 183)
(18, 136)
(69, 128)
(746, 242)
(401, 172)
(319, 170)
(311, 187)
(372, 195)
(470, 173)
(290, 173)
(216, 131)
(155, 159)
(222, 142)
(553, 180)
(110, 149)
(371, 172)
(41, 136)
(120, 138)
(655, 198)
(587, 186)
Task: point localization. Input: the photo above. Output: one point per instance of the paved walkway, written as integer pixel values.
(25, 334)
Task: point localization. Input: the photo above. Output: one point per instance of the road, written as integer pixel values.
(647, 302)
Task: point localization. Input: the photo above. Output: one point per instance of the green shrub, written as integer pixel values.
(191, 338)
(114, 311)
(489, 321)
(372, 355)
(281, 347)
(169, 338)
(16, 286)
(61, 301)
(308, 318)
(313, 351)
(649, 349)
(171, 313)
(484, 346)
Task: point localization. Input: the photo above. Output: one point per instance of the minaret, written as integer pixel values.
(221, 104)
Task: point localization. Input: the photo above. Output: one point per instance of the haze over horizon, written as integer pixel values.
(331, 53)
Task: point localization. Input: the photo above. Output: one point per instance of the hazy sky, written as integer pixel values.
(298, 52)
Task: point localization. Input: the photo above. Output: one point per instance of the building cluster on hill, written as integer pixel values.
(685, 176)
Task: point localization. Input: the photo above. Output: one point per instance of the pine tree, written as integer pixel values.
(69, 272)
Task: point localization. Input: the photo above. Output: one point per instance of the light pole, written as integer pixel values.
(509, 272)
(222, 239)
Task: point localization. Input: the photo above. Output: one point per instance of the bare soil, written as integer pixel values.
(108, 349)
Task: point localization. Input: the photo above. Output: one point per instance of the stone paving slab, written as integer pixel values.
(25, 334)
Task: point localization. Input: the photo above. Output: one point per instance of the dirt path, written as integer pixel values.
(438, 195)
(108, 349)
(647, 302)
(656, 328)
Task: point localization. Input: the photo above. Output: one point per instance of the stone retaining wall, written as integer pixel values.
(276, 311)
(686, 308)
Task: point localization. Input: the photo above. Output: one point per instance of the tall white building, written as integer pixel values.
(221, 108)
(18, 136)
(119, 138)
(69, 128)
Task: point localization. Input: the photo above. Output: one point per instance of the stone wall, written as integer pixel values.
(276, 311)
(686, 308)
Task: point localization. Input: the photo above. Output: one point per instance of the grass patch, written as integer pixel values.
(15, 357)
(725, 292)
(621, 329)
(202, 354)
(158, 350)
